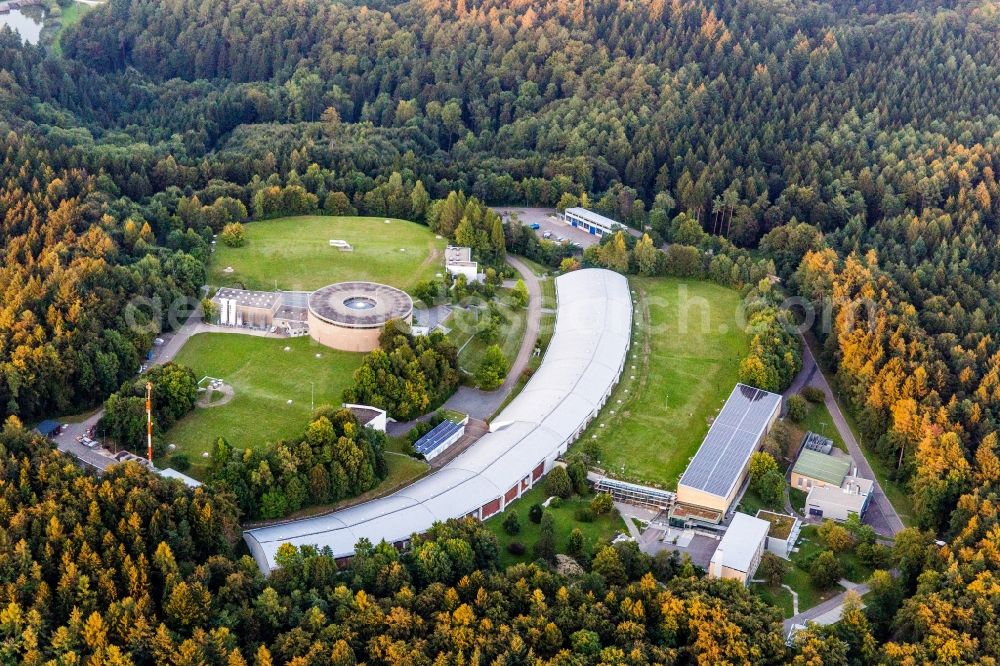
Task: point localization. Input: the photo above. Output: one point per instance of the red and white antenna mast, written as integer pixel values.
(149, 421)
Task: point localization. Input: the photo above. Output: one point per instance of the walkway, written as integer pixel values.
(829, 611)
(881, 515)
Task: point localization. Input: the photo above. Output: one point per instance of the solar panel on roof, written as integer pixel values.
(732, 438)
(436, 437)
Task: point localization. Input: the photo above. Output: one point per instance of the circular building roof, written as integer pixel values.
(360, 304)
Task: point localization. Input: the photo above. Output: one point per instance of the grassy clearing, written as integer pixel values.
(264, 378)
(661, 416)
(472, 348)
(535, 267)
(295, 252)
(779, 597)
(818, 420)
(548, 286)
(810, 545)
(71, 15)
(897, 493)
(798, 499)
(752, 503)
(602, 529)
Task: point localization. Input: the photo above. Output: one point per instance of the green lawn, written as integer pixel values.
(264, 377)
(798, 499)
(679, 387)
(778, 596)
(818, 420)
(752, 503)
(71, 15)
(295, 253)
(548, 286)
(604, 528)
(472, 347)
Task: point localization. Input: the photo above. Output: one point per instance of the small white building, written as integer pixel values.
(593, 223)
(170, 473)
(852, 497)
(740, 550)
(458, 261)
(368, 416)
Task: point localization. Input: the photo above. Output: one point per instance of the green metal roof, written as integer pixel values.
(822, 466)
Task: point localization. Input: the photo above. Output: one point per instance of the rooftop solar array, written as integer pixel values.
(731, 440)
(436, 437)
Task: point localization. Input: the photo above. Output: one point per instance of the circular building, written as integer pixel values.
(350, 315)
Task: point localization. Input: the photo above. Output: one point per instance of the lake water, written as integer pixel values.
(29, 27)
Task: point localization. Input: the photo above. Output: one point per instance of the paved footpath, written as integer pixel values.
(829, 611)
(881, 515)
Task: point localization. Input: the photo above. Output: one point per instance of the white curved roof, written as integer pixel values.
(584, 359)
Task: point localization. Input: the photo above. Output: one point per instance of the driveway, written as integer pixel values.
(881, 515)
(100, 458)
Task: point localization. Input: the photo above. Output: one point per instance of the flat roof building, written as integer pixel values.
(717, 471)
(840, 503)
(741, 549)
(458, 261)
(815, 469)
(593, 223)
(578, 372)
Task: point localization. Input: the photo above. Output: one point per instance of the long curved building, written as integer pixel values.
(583, 363)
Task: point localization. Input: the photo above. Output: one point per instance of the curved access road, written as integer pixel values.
(881, 514)
(481, 405)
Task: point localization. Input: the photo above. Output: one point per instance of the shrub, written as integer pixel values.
(835, 536)
(825, 570)
(576, 543)
(557, 483)
(584, 515)
(602, 504)
(535, 513)
(511, 525)
(797, 408)
(516, 548)
(813, 394)
(555, 502)
(772, 568)
(180, 462)
(233, 235)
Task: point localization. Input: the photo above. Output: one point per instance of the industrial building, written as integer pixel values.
(593, 223)
(350, 315)
(852, 498)
(740, 549)
(458, 261)
(829, 477)
(580, 369)
(713, 478)
(821, 470)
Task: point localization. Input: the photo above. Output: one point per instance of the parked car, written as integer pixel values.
(547, 234)
(536, 226)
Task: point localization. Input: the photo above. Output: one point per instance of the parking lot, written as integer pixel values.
(547, 221)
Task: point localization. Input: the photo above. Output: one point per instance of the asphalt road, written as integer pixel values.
(881, 515)
(100, 458)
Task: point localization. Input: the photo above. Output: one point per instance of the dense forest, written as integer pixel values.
(849, 147)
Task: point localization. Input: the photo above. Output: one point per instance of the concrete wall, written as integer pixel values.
(345, 339)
